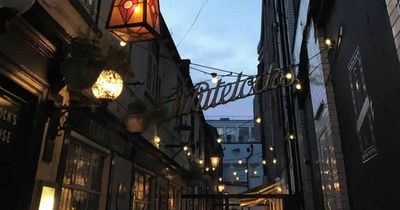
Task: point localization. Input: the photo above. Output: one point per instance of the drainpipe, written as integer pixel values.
(247, 165)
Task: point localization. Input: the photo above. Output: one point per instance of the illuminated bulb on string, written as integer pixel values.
(237, 178)
(297, 85)
(213, 168)
(255, 172)
(234, 173)
(185, 148)
(271, 148)
(201, 162)
(258, 120)
(122, 43)
(288, 74)
(220, 179)
(291, 136)
(329, 43)
(264, 162)
(207, 168)
(188, 154)
(214, 78)
(219, 140)
(274, 160)
(245, 171)
(240, 161)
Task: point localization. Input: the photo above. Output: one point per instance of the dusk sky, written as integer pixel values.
(225, 35)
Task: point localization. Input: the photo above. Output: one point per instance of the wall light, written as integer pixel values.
(215, 161)
(47, 198)
(221, 187)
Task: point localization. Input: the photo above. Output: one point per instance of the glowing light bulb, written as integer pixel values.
(245, 171)
(207, 168)
(271, 148)
(264, 162)
(234, 173)
(237, 178)
(255, 172)
(214, 78)
(201, 162)
(219, 140)
(274, 160)
(240, 161)
(288, 75)
(291, 136)
(258, 120)
(122, 43)
(220, 179)
(185, 148)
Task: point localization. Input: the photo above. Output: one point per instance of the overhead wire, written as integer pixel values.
(191, 26)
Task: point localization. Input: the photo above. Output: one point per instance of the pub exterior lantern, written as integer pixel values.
(214, 161)
(134, 20)
(108, 86)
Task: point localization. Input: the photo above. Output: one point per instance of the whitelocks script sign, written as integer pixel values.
(203, 97)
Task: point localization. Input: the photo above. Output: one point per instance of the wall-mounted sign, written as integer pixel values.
(204, 97)
(9, 118)
(363, 110)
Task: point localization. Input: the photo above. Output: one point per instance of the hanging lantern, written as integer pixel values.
(108, 86)
(214, 161)
(134, 20)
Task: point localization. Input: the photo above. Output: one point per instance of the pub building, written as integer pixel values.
(57, 150)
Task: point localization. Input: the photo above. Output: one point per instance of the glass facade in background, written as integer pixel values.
(81, 188)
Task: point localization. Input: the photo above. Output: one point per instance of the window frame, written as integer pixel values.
(87, 144)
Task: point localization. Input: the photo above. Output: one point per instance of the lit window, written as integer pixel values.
(141, 191)
(83, 177)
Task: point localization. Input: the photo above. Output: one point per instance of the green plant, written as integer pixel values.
(137, 107)
(158, 113)
(82, 63)
(86, 56)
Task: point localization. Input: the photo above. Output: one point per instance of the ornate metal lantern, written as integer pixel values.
(134, 20)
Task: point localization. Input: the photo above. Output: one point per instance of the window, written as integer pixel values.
(173, 196)
(253, 134)
(230, 134)
(83, 178)
(244, 134)
(141, 191)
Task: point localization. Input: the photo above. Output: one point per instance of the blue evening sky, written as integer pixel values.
(225, 36)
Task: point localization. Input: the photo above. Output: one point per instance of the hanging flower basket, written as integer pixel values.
(135, 121)
(83, 62)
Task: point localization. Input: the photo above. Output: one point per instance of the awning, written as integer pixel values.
(268, 188)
